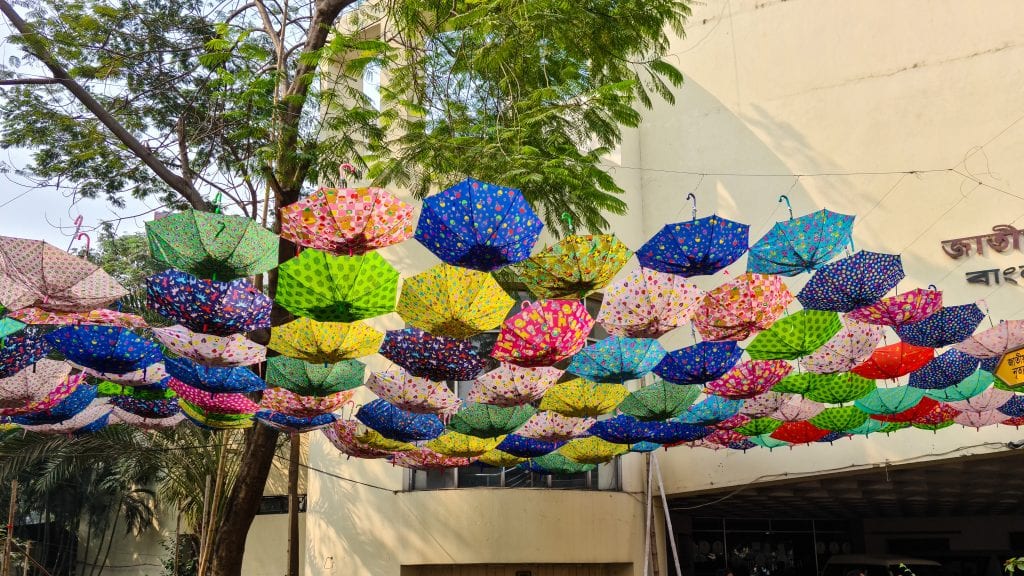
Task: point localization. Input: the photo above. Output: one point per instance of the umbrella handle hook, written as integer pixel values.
(693, 200)
(78, 228)
(88, 241)
(784, 198)
(933, 287)
(567, 218)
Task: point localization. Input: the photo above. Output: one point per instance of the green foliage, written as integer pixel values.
(1012, 565)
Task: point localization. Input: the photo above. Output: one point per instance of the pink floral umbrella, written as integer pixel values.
(996, 341)
(152, 374)
(749, 379)
(342, 434)
(848, 348)
(347, 221)
(543, 333)
(980, 419)
(797, 408)
(648, 304)
(554, 427)
(763, 404)
(38, 387)
(901, 309)
(34, 273)
(118, 415)
(733, 422)
(100, 316)
(427, 459)
(99, 408)
(511, 385)
(210, 350)
(740, 308)
(722, 438)
(219, 403)
(292, 404)
(414, 394)
(987, 401)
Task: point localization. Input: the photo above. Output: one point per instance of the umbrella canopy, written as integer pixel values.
(893, 361)
(453, 302)
(617, 359)
(511, 385)
(38, 387)
(592, 450)
(923, 406)
(522, 447)
(292, 404)
(695, 248)
(978, 382)
(711, 410)
(554, 427)
(294, 424)
(434, 357)
(90, 419)
(900, 310)
(852, 282)
(947, 369)
(700, 363)
(413, 394)
(478, 225)
(801, 244)
(796, 408)
(939, 416)
(980, 419)
(950, 325)
(759, 426)
(839, 388)
(219, 308)
(337, 288)
(582, 398)
(210, 350)
(574, 267)
(739, 308)
(659, 401)
(210, 379)
(839, 419)
(9, 325)
(119, 416)
(67, 407)
(397, 424)
(347, 220)
(343, 434)
(543, 333)
(218, 402)
(798, 383)
(105, 348)
(1013, 407)
(1005, 337)
(324, 342)
(732, 422)
(314, 379)
(867, 428)
(462, 445)
(150, 376)
(761, 405)
(796, 335)
(34, 273)
(215, 420)
(648, 304)
(427, 459)
(99, 316)
(643, 447)
(750, 378)
(988, 400)
(486, 421)
(155, 408)
(500, 459)
(848, 348)
(212, 245)
(624, 429)
(798, 433)
(889, 400)
(556, 464)
(723, 438)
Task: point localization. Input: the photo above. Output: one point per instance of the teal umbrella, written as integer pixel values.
(801, 244)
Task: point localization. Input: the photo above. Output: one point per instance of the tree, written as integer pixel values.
(257, 100)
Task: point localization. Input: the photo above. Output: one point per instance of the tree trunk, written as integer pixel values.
(294, 453)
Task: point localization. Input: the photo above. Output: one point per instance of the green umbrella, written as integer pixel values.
(108, 388)
(214, 246)
(766, 441)
(969, 387)
(840, 419)
(488, 421)
(759, 427)
(839, 388)
(891, 427)
(660, 401)
(306, 379)
(555, 463)
(933, 427)
(797, 383)
(868, 427)
(337, 288)
(795, 335)
(889, 400)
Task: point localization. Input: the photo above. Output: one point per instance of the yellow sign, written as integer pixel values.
(1011, 368)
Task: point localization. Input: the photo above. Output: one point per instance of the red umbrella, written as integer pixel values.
(799, 433)
(893, 361)
(939, 413)
(920, 410)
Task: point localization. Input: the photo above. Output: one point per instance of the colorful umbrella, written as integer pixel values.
(759, 426)
(798, 433)
(979, 381)
(711, 410)
(556, 464)
(72, 404)
(738, 309)
(294, 424)
(34, 273)
(219, 308)
(796, 335)
(939, 416)
(986, 401)
(922, 407)
(462, 445)
(105, 348)
(867, 428)
(478, 225)
(210, 350)
(648, 304)
(695, 248)
(948, 326)
(796, 408)
(1013, 407)
(435, 357)
(324, 342)
(617, 359)
(215, 420)
(314, 379)
(543, 333)
(347, 220)
(839, 388)
(413, 394)
(511, 385)
(394, 423)
(852, 282)
(766, 441)
(99, 316)
(946, 369)
(337, 288)
(370, 438)
(342, 434)
(848, 348)
(292, 404)
(833, 436)
(582, 398)
(90, 419)
(212, 245)
(554, 427)
(150, 376)
(762, 405)
(1005, 337)
(38, 387)
(732, 422)
(801, 244)
(643, 447)
(119, 416)
(889, 400)
(900, 310)
(156, 408)
(750, 378)
(723, 438)
(214, 379)
(500, 459)
(522, 447)
(798, 383)
(574, 267)
(980, 419)
(592, 450)
(453, 302)
(217, 402)
(486, 421)
(624, 429)
(699, 363)
(893, 361)
(659, 401)
(839, 419)
(427, 459)
(9, 325)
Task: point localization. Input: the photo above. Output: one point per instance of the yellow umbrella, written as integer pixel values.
(592, 450)
(372, 439)
(451, 301)
(500, 459)
(462, 445)
(575, 267)
(582, 398)
(324, 342)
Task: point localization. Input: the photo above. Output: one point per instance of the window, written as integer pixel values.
(279, 504)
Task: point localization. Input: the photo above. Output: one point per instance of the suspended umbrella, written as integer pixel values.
(839, 419)
(370, 438)
(888, 401)
(848, 348)
(119, 416)
(209, 350)
(768, 442)
(750, 378)
(893, 361)
(337, 288)
(978, 382)
(157, 392)
(617, 359)
(732, 422)
(924, 406)
(582, 398)
(947, 369)
(543, 333)
(8, 326)
(394, 423)
(435, 357)
(592, 450)
(412, 394)
(799, 383)
(67, 407)
(796, 409)
(624, 429)
(554, 427)
(556, 464)
(511, 385)
(462, 445)
(37, 388)
(659, 401)
(643, 447)
(215, 420)
(427, 459)
(711, 410)
(212, 245)
(833, 436)
(980, 419)
(987, 401)
(21, 350)
(801, 244)
(1014, 407)
(798, 433)
(763, 404)
(1004, 337)
(314, 379)
(342, 434)
(34, 273)
(105, 348)
(760, 426)
(324, 342)
(152, 376)
(500, 459)
(894, 427)
(723, 438)
(648, 304)
(347, 220)
(867, 428)
(852, 282)
(574, 267)
(523, 447)
(796, 335)
(698, 247)
(153, 409)
(219, 308)
(218, 402)
(839, 388)
(950, 325)
(294, 424)
(478, 225)
(940, 416)
(453, 302)
(240, 380)
(699, 363)
(101, 316)
(900, 310)
(486, 421)
(742, 307)
(92, 418)
(292, 404)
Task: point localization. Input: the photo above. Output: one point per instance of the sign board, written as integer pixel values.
(1011, 368)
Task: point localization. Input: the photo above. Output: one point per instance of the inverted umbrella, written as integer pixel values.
(950, 325)
(478, 225)
(372, 439)
(796, 335)
(314, 379)
(801, 244)
(797, 408)
(337, 288)
(214, 379)
(212, 245)
(763, 404)
(215, 420)
(486, 421)
(543, 333)
(869, 427)
(211, 350)
(901, 309)
(324, 342)
(939, 416)
(889, 400)
(454, 302)
(624, 429)
(155, 408)
(574, 267)
(643, 447)
(839, 388)
(759, 426)
(427, 459)
(397, 424)
(946, 369)
(711, 410)
(90, 419)
(554, 427)
(523, 447)
(556, 464)
(218, 402)
(500, 459)
(72, 404)
(435, 357)
(648, 304)
(852, 282)
(105, 348)
(839, 419)
(343, 435)
(347, 220)
(220, 308)
(798, 433)
(891, 427)
(102, 316)
(592, 450)
(744, 306)
(9, 325)
(987, 401)
(512, 385)
(617, 359)
(798, 383)
(659, 401)
(38, 387)
(1006, 336)
(34, 273)
(922, 407)
(750, 378)
(732, 422)
(119, 416)
(151, 376)
(694, 248)
(462, 445)
(414, 394)
(893, 361)
(292, 404)
(700, 363)
(980, 419)
(1013, 407)
(723, 438)
(294, 424)
(766, 441)
(978, 382)
(833, 436)
(848, 348)
(582, 398)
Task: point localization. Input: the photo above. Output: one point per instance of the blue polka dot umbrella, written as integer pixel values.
(947, 369)
(215, 380)
(700, 363)
(294, 424)
(396, 424)
(852, 282)
(950, 325)
(801, 244)
(108, 349)
(698, 247)
(624, 429)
